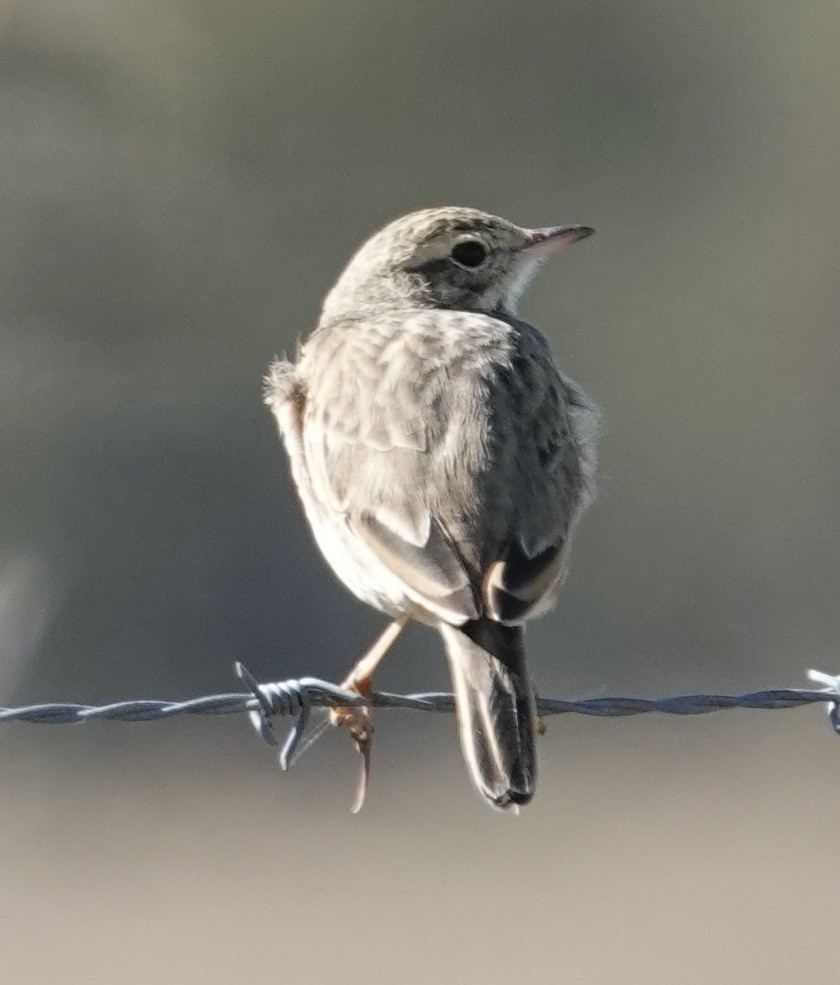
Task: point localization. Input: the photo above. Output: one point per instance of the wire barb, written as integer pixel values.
(279, 698)
(832, 688)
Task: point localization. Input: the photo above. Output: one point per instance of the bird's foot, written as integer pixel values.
(359, 721)
(359, 718)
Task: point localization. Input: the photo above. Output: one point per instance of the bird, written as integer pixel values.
(443, 462)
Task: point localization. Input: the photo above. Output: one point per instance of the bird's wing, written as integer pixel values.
(373, 389)
(551, 475)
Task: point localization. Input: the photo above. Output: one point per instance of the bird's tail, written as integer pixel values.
(496, 711)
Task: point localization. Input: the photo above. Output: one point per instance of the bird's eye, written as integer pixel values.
(469, 253)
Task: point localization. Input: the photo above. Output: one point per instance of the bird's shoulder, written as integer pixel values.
(399, 362)
(437, 337)
(377, 357)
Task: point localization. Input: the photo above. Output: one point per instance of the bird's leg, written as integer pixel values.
(359, 719)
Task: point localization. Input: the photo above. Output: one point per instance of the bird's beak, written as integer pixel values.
(554, 238)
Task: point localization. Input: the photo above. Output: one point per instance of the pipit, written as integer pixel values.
(443, 463)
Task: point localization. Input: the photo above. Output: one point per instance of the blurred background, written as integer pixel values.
(180, 182)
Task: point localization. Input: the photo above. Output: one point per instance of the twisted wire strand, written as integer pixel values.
(294, 697)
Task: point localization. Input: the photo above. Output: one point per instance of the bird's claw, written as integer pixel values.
(363, 746)
(359, 722)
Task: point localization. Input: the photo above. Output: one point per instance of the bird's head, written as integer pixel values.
(455, 258)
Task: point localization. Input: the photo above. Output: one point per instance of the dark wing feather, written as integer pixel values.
(517, 584)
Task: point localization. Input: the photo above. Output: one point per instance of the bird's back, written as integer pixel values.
(456, 415)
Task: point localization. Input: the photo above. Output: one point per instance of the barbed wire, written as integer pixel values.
(297, 696)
